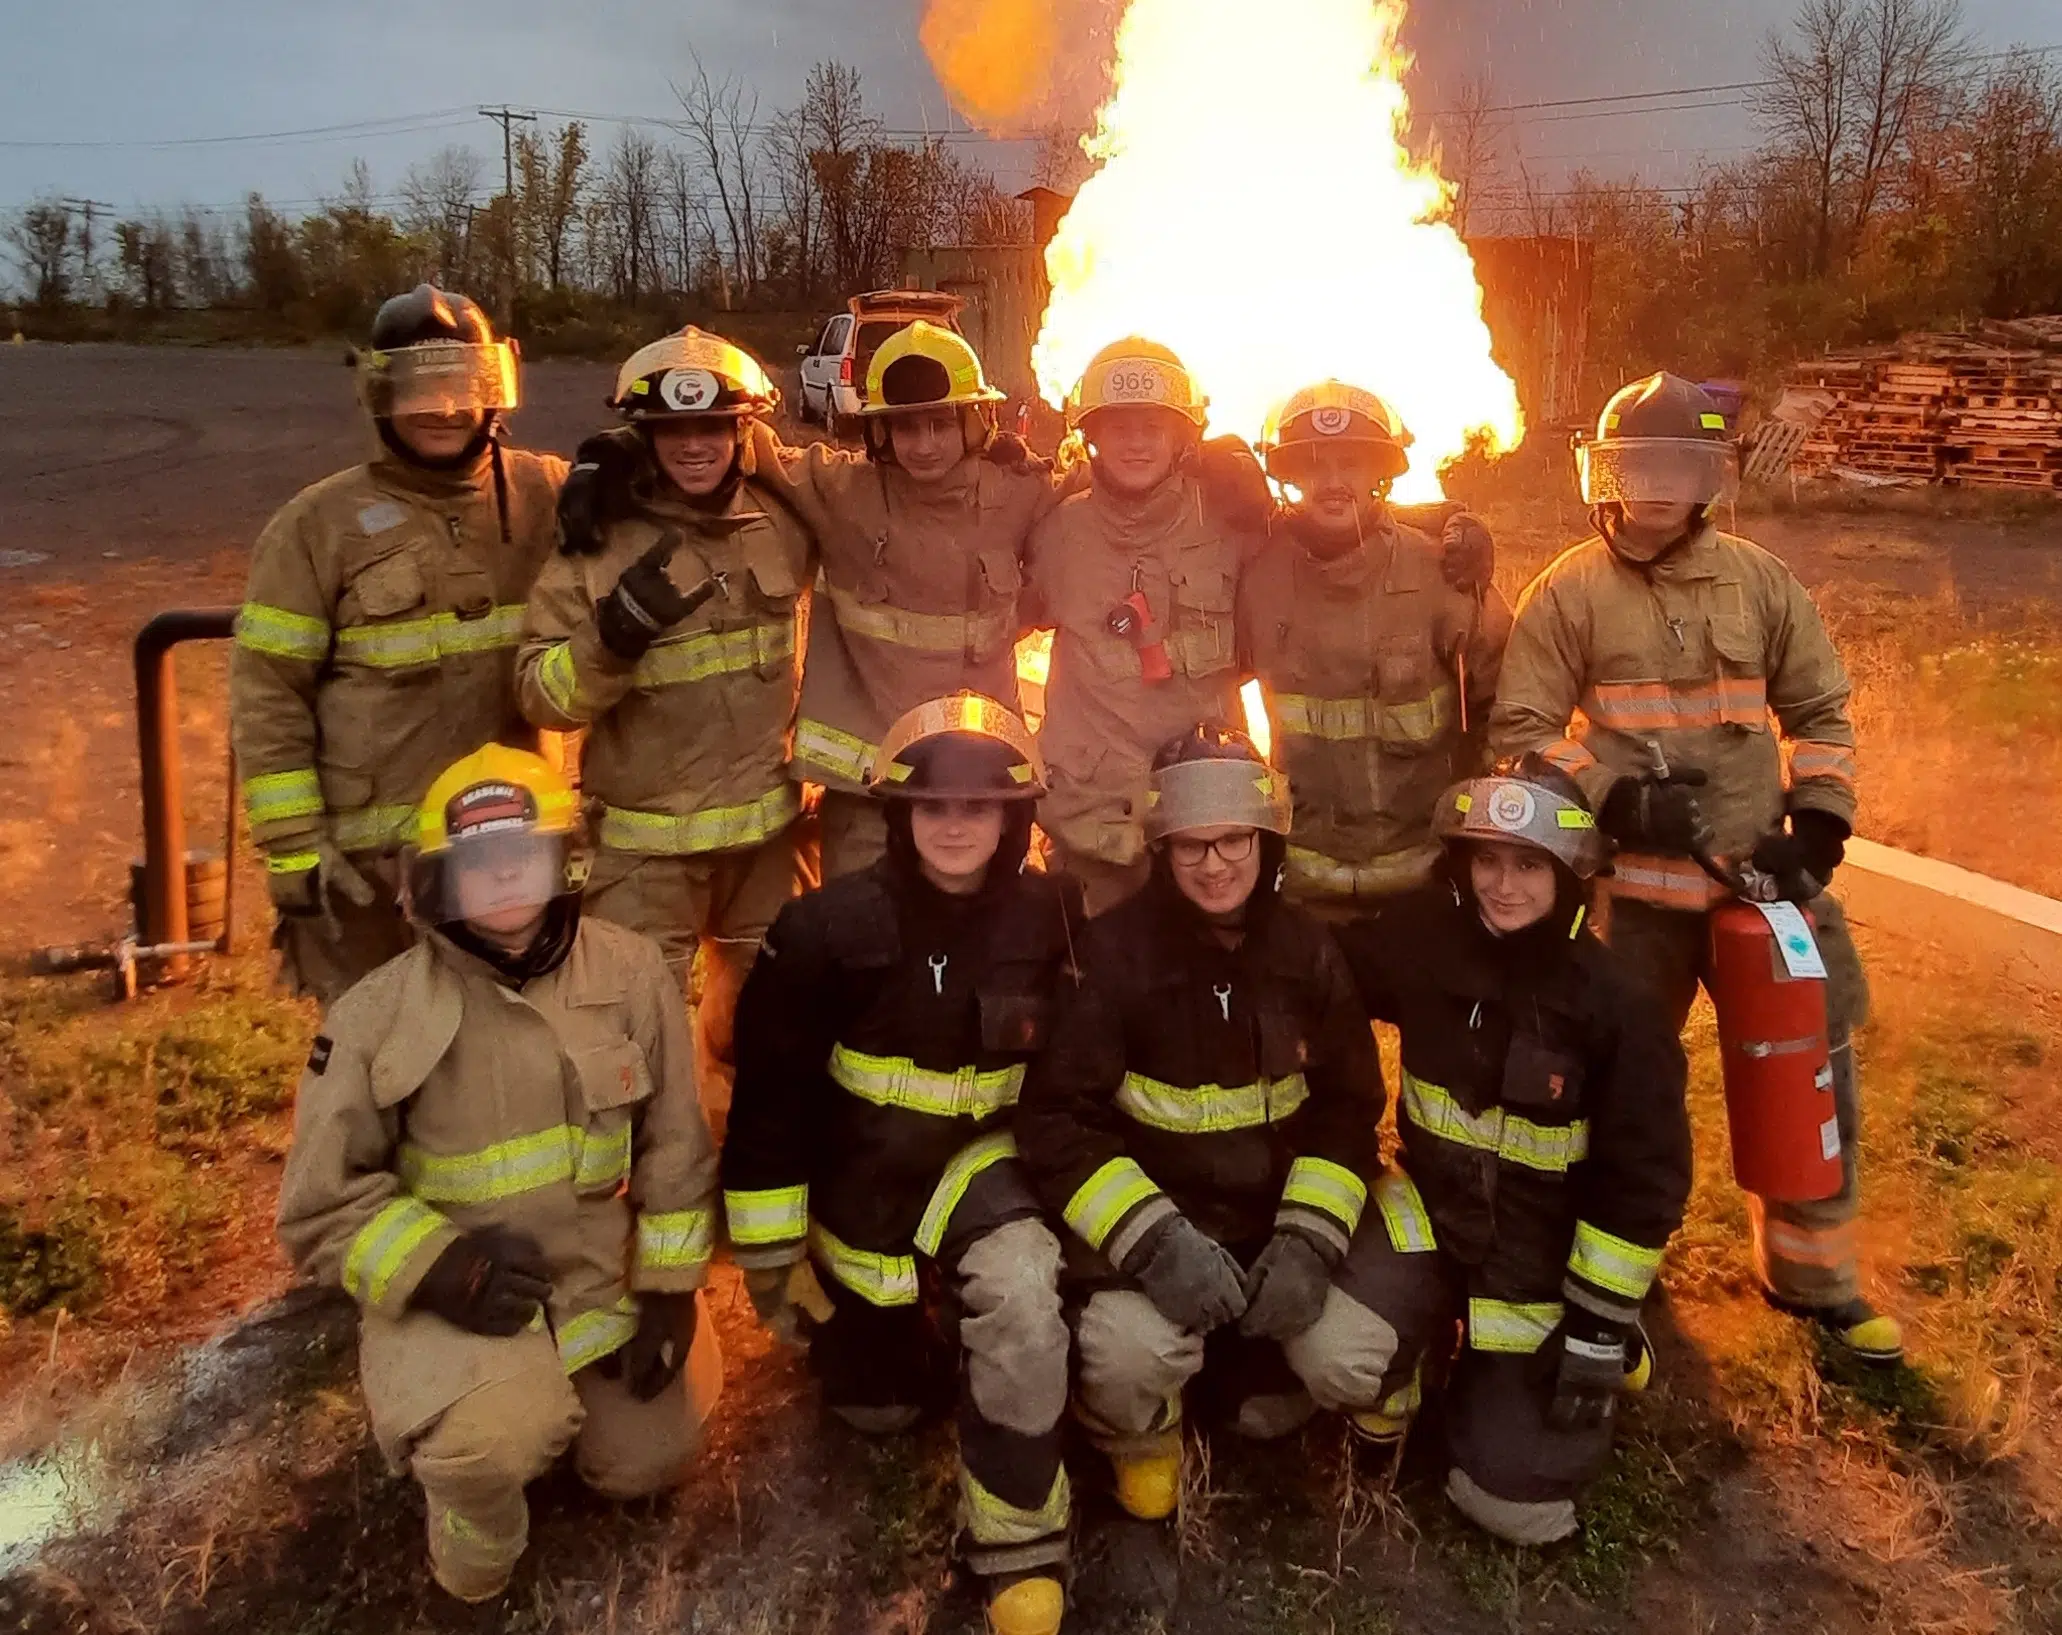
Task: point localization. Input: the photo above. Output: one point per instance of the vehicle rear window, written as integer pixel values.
(872, 332)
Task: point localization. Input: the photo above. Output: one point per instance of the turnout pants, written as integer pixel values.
(1103, 884)
(1804, 1252)
(509, 1411)
(855, 832)
(322, 955)
(994, 1332)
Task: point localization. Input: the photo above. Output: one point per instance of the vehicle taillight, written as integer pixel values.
(844, 371)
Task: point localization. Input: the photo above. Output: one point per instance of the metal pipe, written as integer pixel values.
(161, 912)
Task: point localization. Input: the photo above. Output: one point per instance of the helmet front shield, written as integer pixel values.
(440, 377)
(1516, 812)
(966, 747)
(1206, 794)
(1658, 470)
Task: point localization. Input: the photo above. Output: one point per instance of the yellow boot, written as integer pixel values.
(1149, 1484)
(1030, 1606)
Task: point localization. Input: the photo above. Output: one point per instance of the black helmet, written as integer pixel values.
(1661, 439)
(427, 313)
(435, 353)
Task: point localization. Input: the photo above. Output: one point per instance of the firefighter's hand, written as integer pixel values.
(492, 1280)
(597, 491)
(304, 893)
(655, 1354)
(1286, 1287)
(1235, 484)
(1467, 553)
(783, 1295)
(1590, 1374)
(1801, 860)
(1655, 814)
(1012, 453)
(1192, 1279)
(645, 603)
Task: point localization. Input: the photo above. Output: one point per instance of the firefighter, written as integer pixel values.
(674, 645)
(881, 1041)
(1713, 719)
(1376, 647)
(378, 632)
(1137, 576)
(1545, 1157)
(499, 1153)
(1204, 1121)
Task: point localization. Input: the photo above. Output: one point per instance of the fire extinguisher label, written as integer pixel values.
(1823, 1078)
(1829, 1140)
(1800, 951)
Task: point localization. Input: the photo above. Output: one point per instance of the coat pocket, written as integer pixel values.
(1408, 718)
(1538, 1077)
(389, 587)
(1742, 673)
(615, 1080)
(1014, 1022)
(1205, 639)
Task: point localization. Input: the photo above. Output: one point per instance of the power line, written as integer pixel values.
(353, 127)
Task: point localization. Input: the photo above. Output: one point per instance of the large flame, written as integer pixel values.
(1255, 209)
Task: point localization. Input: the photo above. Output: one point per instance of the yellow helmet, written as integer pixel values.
(692, 373)
(513, 815)
(925, 367)
(1135, 371)
(1332, 414)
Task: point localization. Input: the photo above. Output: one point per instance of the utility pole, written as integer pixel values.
(508, 118)
(86, 207)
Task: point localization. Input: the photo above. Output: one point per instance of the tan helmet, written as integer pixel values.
(1332, 414)
(1525, 801)
(962, 747)
(1214, 775)
(1135, 372)
(692, 373)
(925, 367)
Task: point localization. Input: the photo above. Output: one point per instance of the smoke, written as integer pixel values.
(1017, 66)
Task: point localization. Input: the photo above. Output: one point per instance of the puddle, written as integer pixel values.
(43, 1496)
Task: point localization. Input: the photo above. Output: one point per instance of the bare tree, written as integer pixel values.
(1058, 162)
(2013, 228)
(1470, 139)
(207, 265)
(438, 206)
(838, 131)
(550, 182)
(721, 126)
(40, 237)
(148, 255)
(628, 213)
(1909, 56)
(1808, 105)
(795, 241)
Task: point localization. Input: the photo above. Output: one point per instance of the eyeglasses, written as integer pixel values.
(1233, 848)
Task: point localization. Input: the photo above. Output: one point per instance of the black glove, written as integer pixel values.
(1802, 860)
(1657, 814)
(646, 603)
(1232, 478)
(597, 491)
(490, 1281)
(1286, 1288)
(1591, 1372)
(655, 1354)
(1467, 553)
(1012, 453)
(1192, 1279)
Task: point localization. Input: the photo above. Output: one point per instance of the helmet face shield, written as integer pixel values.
(496, 880)
(440, 377)
(1657, 470)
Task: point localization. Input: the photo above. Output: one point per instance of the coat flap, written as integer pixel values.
(427, 1012)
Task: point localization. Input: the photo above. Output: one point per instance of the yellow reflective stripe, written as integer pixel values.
(602, 1163)
(1549, 1147)
(1346, 720)
(715, 829)
(1377, 877)
(1210, 1107)
(273, 797)
(1661, 706)
(1106, 1197)
(1810, 759)
(373, 828)
(508, 1169)
(1516, 1328)
(1318, 1183)
(952, 1186)
(383, 1244)
(880, 1280)
(926, 632)
(995, 1523)
(592, 1335)
(1669, 882)
(771, 1215)
(714, 653)
(424, 641)
(291, 862)
(896, 1081)
(1622, 1268)
(675, 1239)
(280, 634)
(1404, 1216)
(838, 752)
(555, 674)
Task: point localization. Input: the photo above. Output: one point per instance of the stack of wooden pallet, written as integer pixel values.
(1983, 409)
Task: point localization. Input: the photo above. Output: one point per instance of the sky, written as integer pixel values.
(102, 76)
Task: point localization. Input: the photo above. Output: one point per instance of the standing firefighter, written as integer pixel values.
(1545, 1155)
(881, 1042)
(1138, 578)
(1205, 1122)
(378, 632)
(1377, 649)
(674, 645)
(1714, 720)
(498, 1151)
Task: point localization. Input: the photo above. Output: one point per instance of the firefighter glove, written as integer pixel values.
(1657, 814)
(597, 491)
(1192, 1279)
(646, 602)
(1286, 1288)
(1232, 477)
(1802, 859)
(306, 892)
(491, 1280)
(1467, 553)
(655, 1354)
(1012, 453)
(1590, 1371)
(784, 1295)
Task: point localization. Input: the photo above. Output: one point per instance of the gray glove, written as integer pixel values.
(1589, 1373)
(1192, 1279)
(1286, 1288)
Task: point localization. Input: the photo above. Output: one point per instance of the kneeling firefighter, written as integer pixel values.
(881, 1041)
(1376, 646)
(1545, 1153)
(378, 632)
(673, 644)
(499, 1152)
(1205, 1121)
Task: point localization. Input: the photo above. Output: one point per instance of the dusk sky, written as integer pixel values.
(115, 72)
